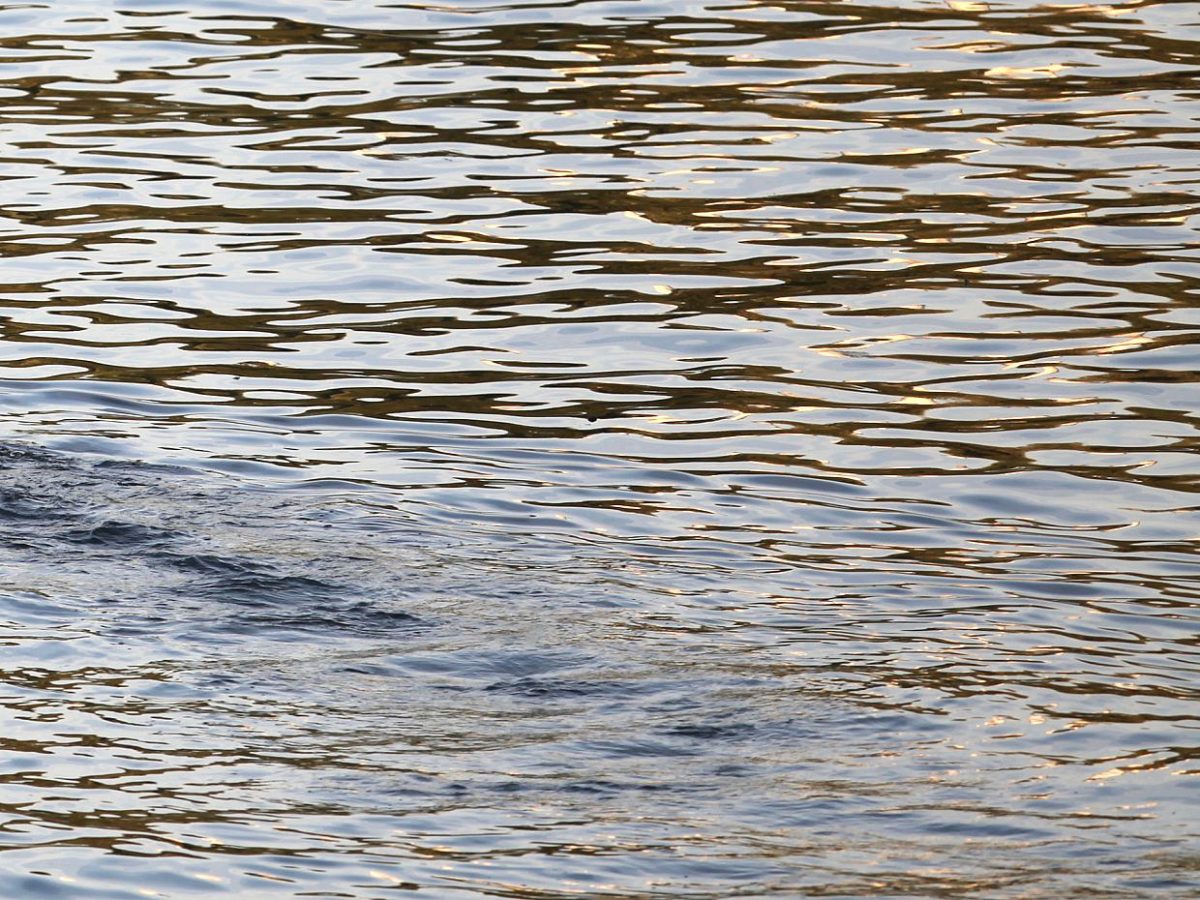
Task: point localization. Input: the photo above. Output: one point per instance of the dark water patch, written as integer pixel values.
(634, 749)
(15, 505)
(563, 689)
(359, 619)
(710, 732)
(118, 534)
(263, 589)
(206, 564)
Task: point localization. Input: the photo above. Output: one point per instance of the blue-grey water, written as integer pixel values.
(596, 449)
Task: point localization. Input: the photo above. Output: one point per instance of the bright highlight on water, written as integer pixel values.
(599, 449)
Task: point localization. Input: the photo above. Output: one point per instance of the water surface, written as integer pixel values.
(599, 449)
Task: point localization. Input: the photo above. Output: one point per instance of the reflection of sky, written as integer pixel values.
(717, 384)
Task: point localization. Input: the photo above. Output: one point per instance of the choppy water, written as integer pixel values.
(599, 449)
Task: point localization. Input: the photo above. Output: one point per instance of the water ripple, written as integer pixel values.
(595, 448)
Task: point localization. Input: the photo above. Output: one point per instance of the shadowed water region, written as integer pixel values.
(673, 448)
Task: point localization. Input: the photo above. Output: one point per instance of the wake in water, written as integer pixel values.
(216, 685)
(177, 555)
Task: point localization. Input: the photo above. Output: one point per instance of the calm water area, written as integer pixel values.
(599, 449)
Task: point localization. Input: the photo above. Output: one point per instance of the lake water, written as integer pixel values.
(673, 448)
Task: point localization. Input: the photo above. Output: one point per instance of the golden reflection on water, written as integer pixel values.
(629, 450)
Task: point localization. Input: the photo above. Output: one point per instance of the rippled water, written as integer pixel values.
(599, 449)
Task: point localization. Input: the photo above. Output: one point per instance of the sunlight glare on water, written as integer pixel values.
(670, 448)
